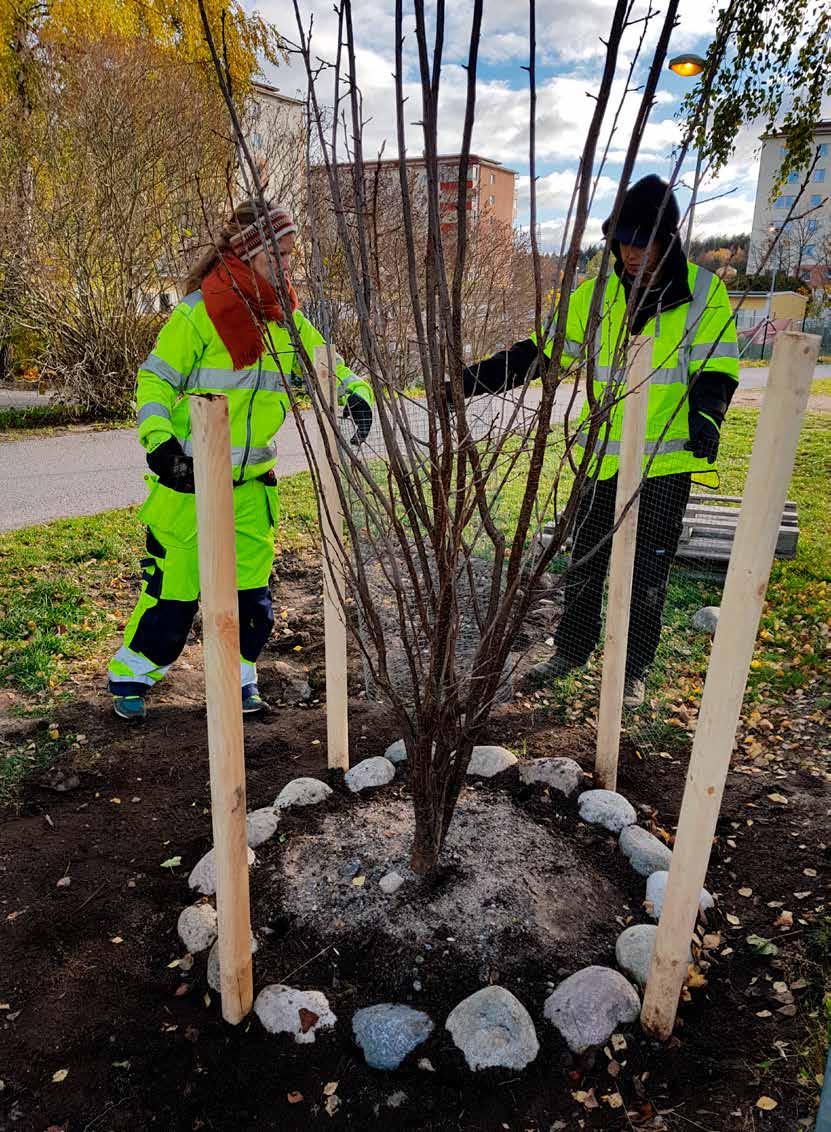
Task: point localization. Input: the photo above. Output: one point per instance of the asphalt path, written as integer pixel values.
(84, 471)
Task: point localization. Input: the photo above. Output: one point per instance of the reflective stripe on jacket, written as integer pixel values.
(190, 357)
(691, 338)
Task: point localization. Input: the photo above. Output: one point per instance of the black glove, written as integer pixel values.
(172, 466)
(710, 395)
(360, 413)
(704, 436)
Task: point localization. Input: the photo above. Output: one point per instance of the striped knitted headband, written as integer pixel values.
(252, 239)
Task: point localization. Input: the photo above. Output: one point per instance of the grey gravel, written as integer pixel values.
(645, 853)
(390, 883)
(388, 1032)
(588, 1006)
(492, 1028)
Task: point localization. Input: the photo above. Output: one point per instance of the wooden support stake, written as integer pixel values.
(220, 647)
(334, 613)
(771, 466)
(621, 566)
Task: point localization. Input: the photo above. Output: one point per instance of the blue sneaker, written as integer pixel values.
(130, 708)
(252, 701)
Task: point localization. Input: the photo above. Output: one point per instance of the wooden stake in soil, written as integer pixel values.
(334, 614)
(771, 466)
(220, 646)
(621, 565)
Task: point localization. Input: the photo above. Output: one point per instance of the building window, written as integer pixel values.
(257, 140)
(811, 251)
(493, 179)
(823, 149)
(819, 175)
(816, 200)
(784, 202)
(491, 199)
(793, 179)
(812, 226)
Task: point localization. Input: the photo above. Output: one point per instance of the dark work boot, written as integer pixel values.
(634, 692)
(547, 670)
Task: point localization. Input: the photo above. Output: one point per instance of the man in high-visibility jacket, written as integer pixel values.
(685, 310)
(229, 335)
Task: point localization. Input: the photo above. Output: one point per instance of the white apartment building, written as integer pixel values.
(805, 247)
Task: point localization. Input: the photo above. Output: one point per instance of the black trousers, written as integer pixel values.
(660, 518)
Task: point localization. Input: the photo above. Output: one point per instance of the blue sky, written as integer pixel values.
(569, 63)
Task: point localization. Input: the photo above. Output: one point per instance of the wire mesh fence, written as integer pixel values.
(679, 570)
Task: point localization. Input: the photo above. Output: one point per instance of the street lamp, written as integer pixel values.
(690, 67)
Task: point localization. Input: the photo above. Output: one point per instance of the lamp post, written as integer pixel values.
(774, 271)
(689, 67)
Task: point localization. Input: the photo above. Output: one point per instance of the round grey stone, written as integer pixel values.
(588, 1006)
(369, 773)
(203, 876)
(487, 762)
(302, 792)
(212, 973)
(563, 775)
(197, 927)
(261, 825)
(606, 808)
(656, 890)
(388, 1032)
(633, 951)
(645, 853)
(278, 1008)
(706, 619)
(390, 883)
(396, 752)
(492, 1028)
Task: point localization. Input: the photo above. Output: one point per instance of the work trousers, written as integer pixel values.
(158, 628)
(663, 501)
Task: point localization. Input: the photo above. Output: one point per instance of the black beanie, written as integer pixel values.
(639, 213)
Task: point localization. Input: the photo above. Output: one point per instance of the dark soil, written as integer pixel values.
(140, 1055)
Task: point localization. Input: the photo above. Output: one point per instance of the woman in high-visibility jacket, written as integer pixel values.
(228, 335)
(695, 371)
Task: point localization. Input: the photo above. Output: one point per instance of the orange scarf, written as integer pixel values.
(239, 303)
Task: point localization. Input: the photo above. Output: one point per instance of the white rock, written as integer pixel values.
(261, 824)
(212, 973)
(645, 853)
(606, 808)
(365, 775)
(656, 889)
(278, 1008)
(564, 775)
(396, 752)
(197, 927)
(493, 1028)
(302, 792)
(390, 883)
(487, 762)
(633, 951)
(588, 1006)
(203, 877)
(706, 619)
